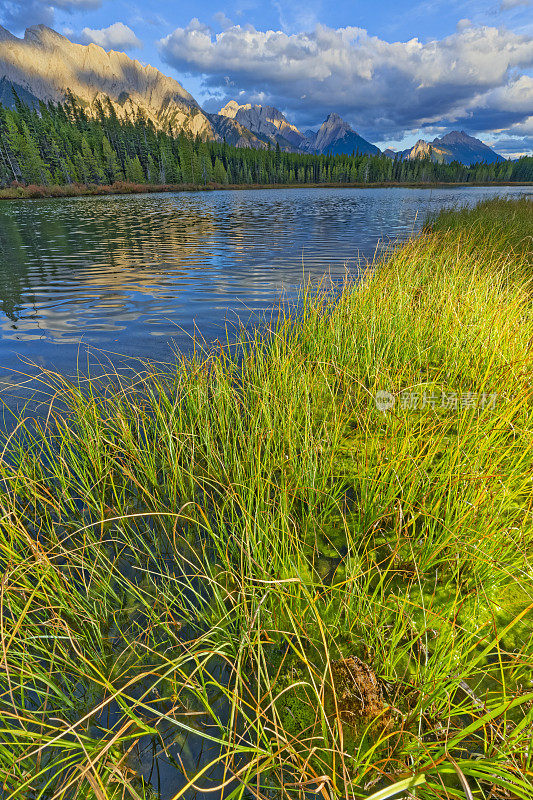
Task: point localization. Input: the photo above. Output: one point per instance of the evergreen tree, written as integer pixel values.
(170, 171)
(24, 147)
(219, 172)
(93, 170)
(152, 171)
(113, 168)
(63, 143)
(134, 170)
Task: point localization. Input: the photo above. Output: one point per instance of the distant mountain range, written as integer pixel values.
(454, 146)
(333, 136)
(45, 66)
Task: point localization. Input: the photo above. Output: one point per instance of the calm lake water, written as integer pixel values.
(135, 275)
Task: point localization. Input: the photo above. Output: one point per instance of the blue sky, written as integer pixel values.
(396, 71)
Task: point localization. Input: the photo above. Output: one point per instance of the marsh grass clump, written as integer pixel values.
(300, 567)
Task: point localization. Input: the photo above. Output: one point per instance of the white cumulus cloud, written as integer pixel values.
(115, 37)
(222, 20)
(384, 88)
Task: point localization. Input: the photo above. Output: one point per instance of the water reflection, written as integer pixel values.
(130, 274)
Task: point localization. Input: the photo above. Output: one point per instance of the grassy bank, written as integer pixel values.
(33, 192)
(296, 568)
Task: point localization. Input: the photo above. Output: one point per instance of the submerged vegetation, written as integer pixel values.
(297, 567)
(57, 149)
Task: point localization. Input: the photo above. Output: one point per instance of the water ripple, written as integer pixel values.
(134, 273)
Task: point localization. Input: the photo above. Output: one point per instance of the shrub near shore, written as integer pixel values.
(297, 568)
(35, 192)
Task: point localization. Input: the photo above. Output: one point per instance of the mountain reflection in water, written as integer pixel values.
(133, 274)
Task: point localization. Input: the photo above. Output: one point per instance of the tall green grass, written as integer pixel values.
(241, 571)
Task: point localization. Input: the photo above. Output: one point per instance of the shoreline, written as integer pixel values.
(36, 192)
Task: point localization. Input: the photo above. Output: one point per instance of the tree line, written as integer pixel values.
(61, 144)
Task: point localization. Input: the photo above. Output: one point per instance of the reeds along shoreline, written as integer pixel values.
(36, 192)
(298, 569)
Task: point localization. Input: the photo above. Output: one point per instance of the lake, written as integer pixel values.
(134, 276)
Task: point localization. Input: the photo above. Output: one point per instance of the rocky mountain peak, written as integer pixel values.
(334, 119)
(6, 36)
(455, 137)
(332, 129)
(467, 149)
(265, 121)
(335, 135)
(419, 150)
(230, 109)
(45, 36)
(46, 64)
(453, 146)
